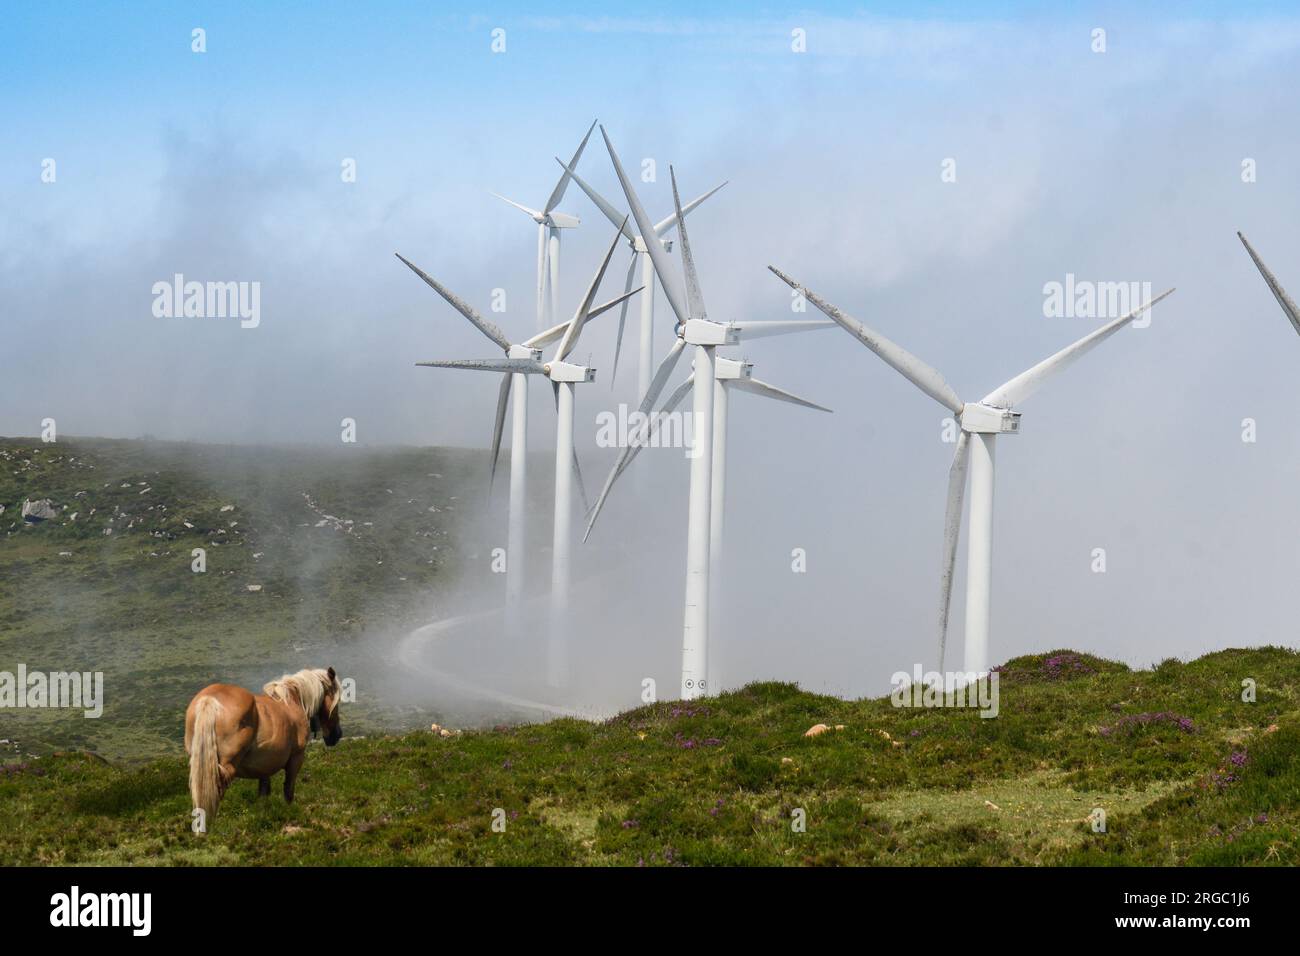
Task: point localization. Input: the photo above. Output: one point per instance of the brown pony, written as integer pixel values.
(231, 732)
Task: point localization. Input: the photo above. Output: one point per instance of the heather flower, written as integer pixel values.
(1131, 721)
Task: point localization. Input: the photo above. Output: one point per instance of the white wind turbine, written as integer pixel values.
(985, 420)
(729, 374)
(519, 362)
(638, 245)
(1284, 300)
(549, 224)
(693, 328)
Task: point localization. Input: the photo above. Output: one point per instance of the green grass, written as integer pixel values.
(720, 781)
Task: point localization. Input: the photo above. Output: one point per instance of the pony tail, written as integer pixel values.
(205, 776)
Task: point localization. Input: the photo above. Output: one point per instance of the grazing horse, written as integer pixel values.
(231, 732)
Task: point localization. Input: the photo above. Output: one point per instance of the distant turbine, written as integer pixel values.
(549, 224)
(638, 246)
(693, 328)
(1274, 286)
(985, 419)
(519, 362)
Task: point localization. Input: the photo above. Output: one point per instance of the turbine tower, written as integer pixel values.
(520, 361)
(693, 328)
(729, 374)
(549, 224)
(981, 422)
(638, 245)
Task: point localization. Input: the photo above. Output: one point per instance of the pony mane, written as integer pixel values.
(311, 686)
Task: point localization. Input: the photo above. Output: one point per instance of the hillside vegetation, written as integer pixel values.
(336, 543)
(305, 548)
(1185, 770)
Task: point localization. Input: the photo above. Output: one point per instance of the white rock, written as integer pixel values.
(40, 510)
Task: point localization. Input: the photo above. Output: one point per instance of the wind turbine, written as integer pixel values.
(984, 420)
(549, 224)
(1284, 300)
(693, 327)
(729, 374)
(638, 245)
(520, 361)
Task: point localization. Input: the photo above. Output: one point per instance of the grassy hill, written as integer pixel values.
(341, 542)
(107, 585)
(1186, 772)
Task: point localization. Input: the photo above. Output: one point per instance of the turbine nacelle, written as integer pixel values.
(706, 332)
(523, 352)
(567, 372)
(982, 419)
(730, 370)
(638, 244)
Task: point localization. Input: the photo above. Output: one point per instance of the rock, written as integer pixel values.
(40, 510)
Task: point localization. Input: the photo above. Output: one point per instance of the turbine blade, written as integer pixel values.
(924, 377)
(749, 329)
(657, 254)
(464, 308)
(622, 317)
(1029, 381)
(670, 403)
(951, 532)
(606, 306)
(647, 402)
(694, 298)
(527, 366)
(547, 336)
(661, 376)
(580, 317)
(503, 402)
(1284, 300)
(532, 213)
(771, 391)
(558, 192)
(616, 219)
(666, 224)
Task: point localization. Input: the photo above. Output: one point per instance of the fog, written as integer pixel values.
(1118, 166)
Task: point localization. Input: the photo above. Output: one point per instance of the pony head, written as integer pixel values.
(318, 693)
